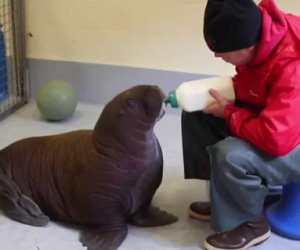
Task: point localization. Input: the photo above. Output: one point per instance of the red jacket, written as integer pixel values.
(269, 87)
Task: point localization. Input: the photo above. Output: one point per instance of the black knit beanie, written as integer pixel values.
(231, 24)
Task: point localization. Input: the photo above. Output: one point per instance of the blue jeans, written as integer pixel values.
(239, 172)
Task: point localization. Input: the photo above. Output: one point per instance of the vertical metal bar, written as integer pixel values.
(13, 17)
(24, 61)
(15, 45)
(19, 32)
(12, 52)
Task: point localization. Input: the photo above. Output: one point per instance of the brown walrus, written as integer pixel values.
(102, 178)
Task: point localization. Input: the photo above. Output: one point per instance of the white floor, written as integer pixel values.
(174, 195)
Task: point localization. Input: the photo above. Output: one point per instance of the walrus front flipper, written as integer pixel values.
(103, 240)
(152, 217)
(19, 207)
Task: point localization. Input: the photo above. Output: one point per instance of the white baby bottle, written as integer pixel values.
(194, 96)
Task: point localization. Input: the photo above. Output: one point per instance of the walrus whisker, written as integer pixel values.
(140, 132)
(140, 140)
(143, 123)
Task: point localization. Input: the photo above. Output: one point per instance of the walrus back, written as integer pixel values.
(43, 168)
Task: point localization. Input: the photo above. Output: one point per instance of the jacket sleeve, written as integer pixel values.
(276, 129)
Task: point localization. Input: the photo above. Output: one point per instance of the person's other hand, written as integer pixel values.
(217, 108)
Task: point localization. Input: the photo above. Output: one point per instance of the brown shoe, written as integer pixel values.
(200, 210)
(242, 237)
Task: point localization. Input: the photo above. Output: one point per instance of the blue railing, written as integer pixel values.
(3, 68)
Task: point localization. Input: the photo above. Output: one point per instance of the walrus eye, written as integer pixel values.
(131, 103)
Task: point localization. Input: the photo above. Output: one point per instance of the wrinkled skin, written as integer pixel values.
(102, 178)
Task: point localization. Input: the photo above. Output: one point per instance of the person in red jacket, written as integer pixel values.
(254, 143)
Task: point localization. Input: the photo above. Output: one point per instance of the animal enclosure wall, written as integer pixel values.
(13, 70)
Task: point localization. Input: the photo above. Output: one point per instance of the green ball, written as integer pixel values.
(56, 100)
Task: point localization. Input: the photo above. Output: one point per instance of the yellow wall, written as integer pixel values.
(159, 34)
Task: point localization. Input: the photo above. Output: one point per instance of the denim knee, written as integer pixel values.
(230, 154)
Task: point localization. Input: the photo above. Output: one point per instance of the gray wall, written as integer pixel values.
(96, 83)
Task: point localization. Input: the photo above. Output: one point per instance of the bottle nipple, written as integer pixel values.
(172, 99)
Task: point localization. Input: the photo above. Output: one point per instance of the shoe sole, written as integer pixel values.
(199, 216)
(255, 241)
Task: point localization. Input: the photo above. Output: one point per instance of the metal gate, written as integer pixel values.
(14, 90)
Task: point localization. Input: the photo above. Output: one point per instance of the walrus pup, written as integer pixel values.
(102, 178)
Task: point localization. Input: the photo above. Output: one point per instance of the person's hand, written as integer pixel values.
(217, 108)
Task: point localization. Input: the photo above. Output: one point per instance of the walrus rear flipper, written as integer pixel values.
(152, 217)
(19, 207)
(103, 240)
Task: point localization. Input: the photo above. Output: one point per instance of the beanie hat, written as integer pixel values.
(231, 24)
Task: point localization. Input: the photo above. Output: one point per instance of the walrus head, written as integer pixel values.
(131, 112)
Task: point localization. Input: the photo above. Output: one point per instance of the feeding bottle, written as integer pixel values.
(194, 96)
